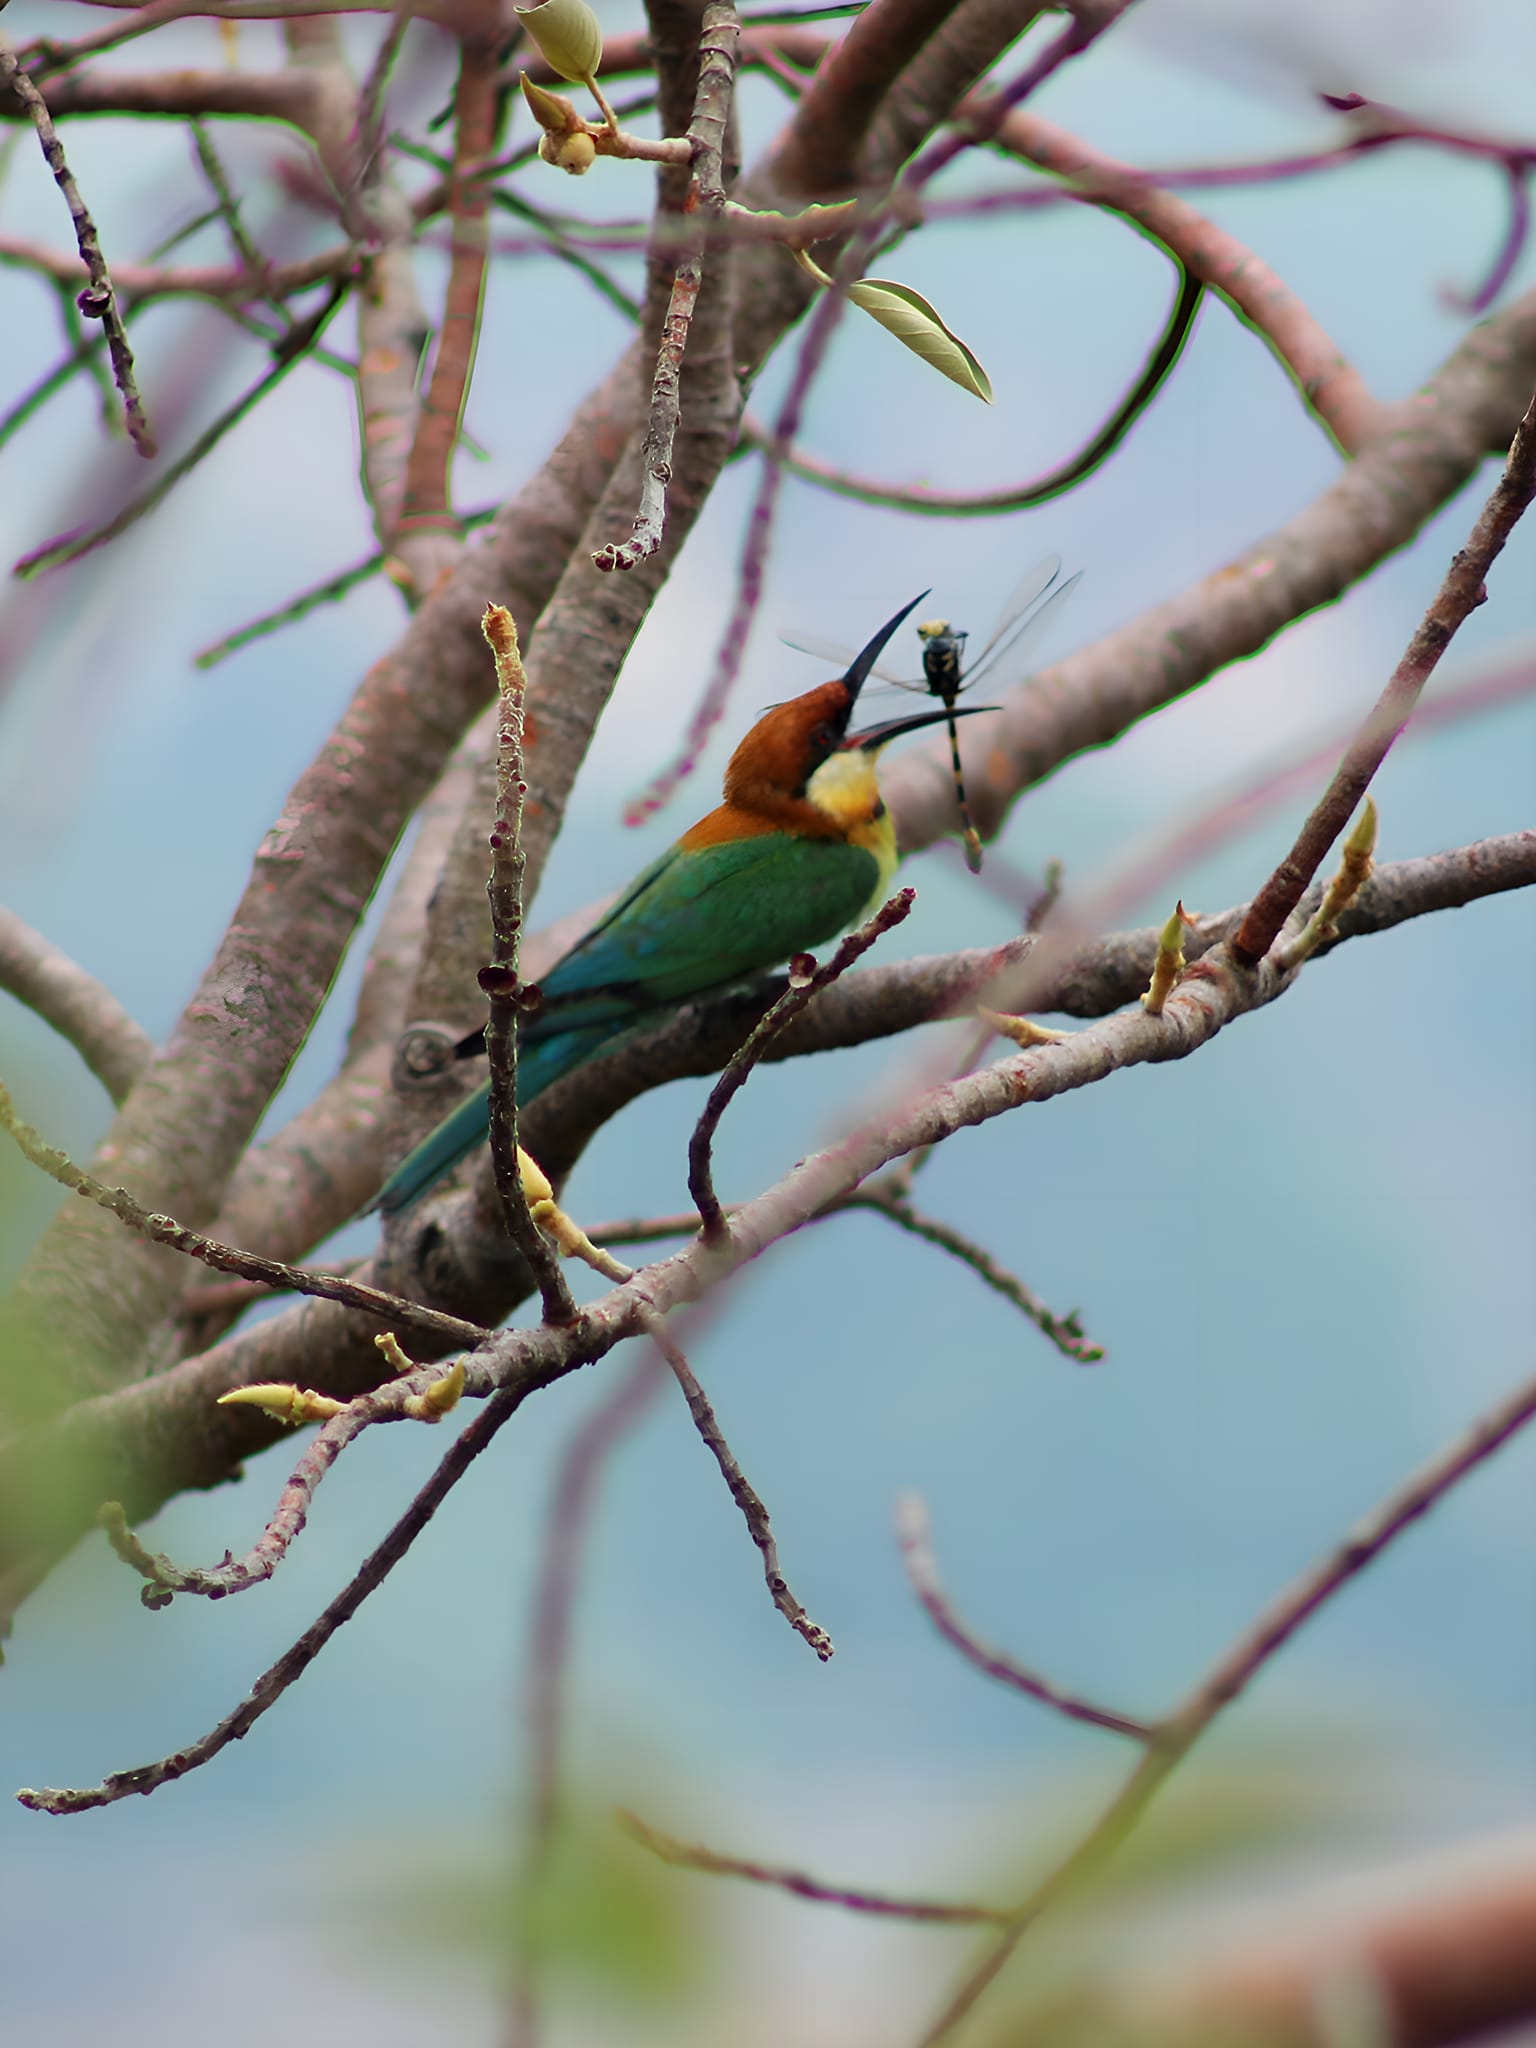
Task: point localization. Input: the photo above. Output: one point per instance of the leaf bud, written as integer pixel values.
(569, 36)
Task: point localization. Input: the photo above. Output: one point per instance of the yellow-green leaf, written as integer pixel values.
(908, 315)
(569, 37)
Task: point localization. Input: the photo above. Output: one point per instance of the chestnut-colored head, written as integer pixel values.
(787, 745)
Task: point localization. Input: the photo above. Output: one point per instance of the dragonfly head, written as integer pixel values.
(943, 650)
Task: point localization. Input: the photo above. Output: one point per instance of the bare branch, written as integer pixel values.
(75, 1003)
(806, 978)
(913, 1532)
(1426, 449)
(706, 133)
(1458, 596)
(292, 1665)
(1175, 1735)
(98, 301)
(427, 534)
(1164, 354)
(1065, 1332)
(499, 982)
(1334, 391)
(228, 1258)
(406, 1398)
(742, 1492)
(154, 1438)
(690, 1856)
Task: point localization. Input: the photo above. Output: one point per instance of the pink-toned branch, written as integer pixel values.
(745, 1495)
(888, 1197)
(126, 1437)
(914, 1534)
(159, 1229)
(36, 972)
(1458, 596)
(1426, 449)
(426, 503)
(799, 1884)
(706, 201)
(1334, 391)
(98, 300)
(1102, 443)
(1175, 1734)
(806, 979)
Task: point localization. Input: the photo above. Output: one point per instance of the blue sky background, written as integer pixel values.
(1307, 1250)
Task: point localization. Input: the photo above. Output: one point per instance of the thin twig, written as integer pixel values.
(294, 1662)
(1160, 862)
(1457, 598)
(227, 209)
(547, 1658)
(37, 395)
(429, 470)
(756, 544)
(1150, 379)
(499, 981)
(691, 1856)
(329, 592)
(98, 301)
(1175, 1735)
(286, 352)
(914, 1534)
(706, 135)
(372, 100)
(742, 1492)
(983, 118)
(805, 978)
(228, 1258)
(79, 1007)
(648, 1229)
(1065, 1332)
(1517, 232)
(554, 240)
(399, 1400)
(1334, 390)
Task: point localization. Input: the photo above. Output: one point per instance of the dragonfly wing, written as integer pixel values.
(1034, 583)
(838, 656)
(1005, 656)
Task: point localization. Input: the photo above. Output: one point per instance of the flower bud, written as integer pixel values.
(569, 36)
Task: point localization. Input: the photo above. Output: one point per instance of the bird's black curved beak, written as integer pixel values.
(857, 673)
(880, 735)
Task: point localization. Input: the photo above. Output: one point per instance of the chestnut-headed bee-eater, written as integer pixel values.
(801, 848)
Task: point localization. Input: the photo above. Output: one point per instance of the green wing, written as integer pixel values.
(701, 917)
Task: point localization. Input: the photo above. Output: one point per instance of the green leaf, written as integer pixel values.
(908, 315)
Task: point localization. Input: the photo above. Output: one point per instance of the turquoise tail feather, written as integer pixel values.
(539, 1064)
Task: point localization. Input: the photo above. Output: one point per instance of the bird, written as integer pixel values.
(800, 848)
(946, 672)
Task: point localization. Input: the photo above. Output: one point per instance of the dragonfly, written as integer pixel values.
(1034, 604)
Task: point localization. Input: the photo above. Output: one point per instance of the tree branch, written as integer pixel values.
(75, 1003)
(98, 301)
(1458, 596)
(152, 1439)
(1174, 1736)
(1422, 453)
